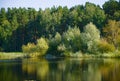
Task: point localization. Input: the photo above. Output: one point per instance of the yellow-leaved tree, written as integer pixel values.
(112, 33)
(37, 50)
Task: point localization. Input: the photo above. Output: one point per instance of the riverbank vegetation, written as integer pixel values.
(61, 31)
(12, 55)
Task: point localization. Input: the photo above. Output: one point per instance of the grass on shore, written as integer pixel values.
(11, 55)
(86, 55)
(17, 55)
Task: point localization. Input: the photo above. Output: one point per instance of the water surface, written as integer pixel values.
(60, 70)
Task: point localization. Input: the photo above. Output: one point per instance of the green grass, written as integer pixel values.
(16, 55)
(100, 55)
(12, 55)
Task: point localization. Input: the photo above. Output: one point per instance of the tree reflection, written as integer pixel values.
(10, 71)
(111, 70)
(61, 70)
(75, 70)
(35, 68)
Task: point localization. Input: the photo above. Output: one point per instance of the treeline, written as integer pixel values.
(61, 27)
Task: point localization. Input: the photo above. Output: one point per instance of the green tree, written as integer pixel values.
(76, 15)
(117, 15)
(42, 46)
(5, 33)
(70, 40)
(95, 14)
(45, 22)
(19, 26)
(110, 7)
(2, 15)
(90, 38)
(53, 43)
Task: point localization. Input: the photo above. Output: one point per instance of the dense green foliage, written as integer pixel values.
(70, 42)
(81, 28)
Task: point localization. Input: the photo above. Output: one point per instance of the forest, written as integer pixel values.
(61, 30)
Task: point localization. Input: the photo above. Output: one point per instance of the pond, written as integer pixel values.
(73, 69)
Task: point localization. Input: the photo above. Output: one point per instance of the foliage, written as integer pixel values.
(90, 37)
(111, 7)
(36, 50)
(94, 14)
(60, 27)
(56, 40)
(61, 48)
(1, 49)
(29, 48)
(12, 55)
(41, 44)
(53, 43)
(70, 40)
(104, 47)
(112, 32)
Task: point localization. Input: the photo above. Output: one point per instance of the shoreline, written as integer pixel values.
(12, 55)
(21, 55)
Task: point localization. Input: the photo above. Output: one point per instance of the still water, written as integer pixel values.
(60, 70)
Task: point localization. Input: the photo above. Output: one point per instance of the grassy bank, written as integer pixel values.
(104, 55)
(12, 55)
(20, 55)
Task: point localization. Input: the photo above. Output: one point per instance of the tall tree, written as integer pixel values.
(112, 32)
(95, 14)
(90, 37)
(110, 7)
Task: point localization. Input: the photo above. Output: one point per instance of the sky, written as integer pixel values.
(46, 3)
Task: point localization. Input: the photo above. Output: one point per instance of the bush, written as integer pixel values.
(55, 40)
(29, 48)
(36, 50)
(42, 46)
(105, 47)
(118, 43)
(1, 49)
(61, 48)
(71, 39)
(53, 43)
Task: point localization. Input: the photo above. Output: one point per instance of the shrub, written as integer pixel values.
(1, 49)
(118, 43)
(71, 39)
(36, 50)
(61, 48)
(53, 43)
(105, 47)
(29, 48)
(42, 46)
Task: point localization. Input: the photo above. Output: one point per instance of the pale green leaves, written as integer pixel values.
(90, 37)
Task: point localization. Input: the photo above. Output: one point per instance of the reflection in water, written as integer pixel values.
(111, 70)
(35, 68)
(60, 70)
(10, 71)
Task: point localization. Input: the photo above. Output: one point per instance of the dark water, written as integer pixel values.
(60, 70)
